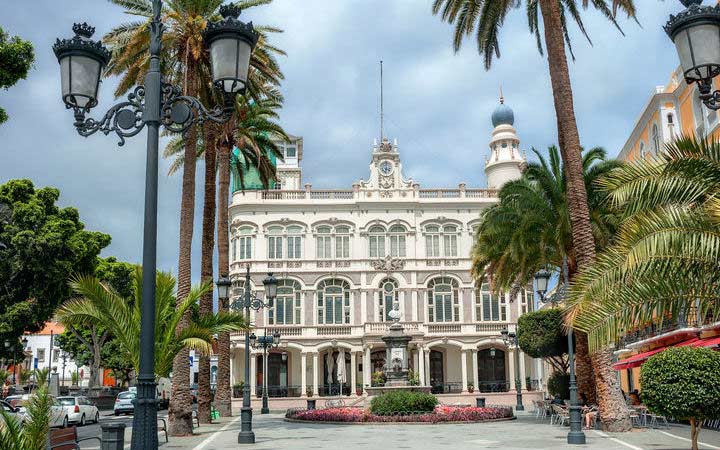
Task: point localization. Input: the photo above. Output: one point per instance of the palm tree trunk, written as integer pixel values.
(614, 413)
(206, 264)
(223, 398)
(180, 410)
(584, 368)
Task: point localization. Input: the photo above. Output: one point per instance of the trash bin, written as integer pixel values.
(311, 404)
(480, 402)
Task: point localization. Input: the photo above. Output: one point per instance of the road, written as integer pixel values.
(91, 430)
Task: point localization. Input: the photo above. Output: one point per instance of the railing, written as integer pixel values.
(335, 331)
(439, 193)
(275, 391)
(382, 327)
(444, 328)
(285, 330)
(494, 386)
(331, 390)
(687, 320)
(490, 327)
(481, 193)
(283, 195)
(348, 194)
(331, 195)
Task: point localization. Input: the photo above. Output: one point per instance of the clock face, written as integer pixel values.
(386, 167)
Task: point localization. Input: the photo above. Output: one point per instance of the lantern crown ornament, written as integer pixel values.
(696, 34)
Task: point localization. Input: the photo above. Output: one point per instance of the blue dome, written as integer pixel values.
(503, 115)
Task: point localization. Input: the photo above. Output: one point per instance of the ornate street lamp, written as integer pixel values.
(696, 34)
(155, 103)
(265, 342)
(247, 302)
(541, 282)
(510, 339)
(576, 434)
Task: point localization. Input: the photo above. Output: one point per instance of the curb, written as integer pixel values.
(320, 422)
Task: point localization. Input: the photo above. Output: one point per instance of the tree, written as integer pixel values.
(254, 134)
(541, 335)
(43, 246)
(529, 228)
(100, 303)
(86, 344)
(186, 61)
(684, 383)
(665, 262)
(488, 16)
(16, 58)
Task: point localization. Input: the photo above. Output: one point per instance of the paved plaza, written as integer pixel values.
(525, 433)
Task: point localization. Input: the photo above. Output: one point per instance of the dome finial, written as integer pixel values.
(502, 99)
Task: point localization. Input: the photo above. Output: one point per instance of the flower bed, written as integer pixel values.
(439, 415)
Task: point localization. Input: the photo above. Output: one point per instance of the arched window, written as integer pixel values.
(450, 233)
(489, 306)
(432, 241)
(285, 308)
(242, 244)
(527, 300)
(333, 302)
(387, 297)
(642, 149)
(342, 241)
(376, 239)
(655, 139)
(275, 244)
(323, 242)
(397, 241)
(294, 242)
(443, 300)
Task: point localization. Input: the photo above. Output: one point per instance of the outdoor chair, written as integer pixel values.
(561, 415)
(655, 419)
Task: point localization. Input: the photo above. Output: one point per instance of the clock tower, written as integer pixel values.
(386, 169)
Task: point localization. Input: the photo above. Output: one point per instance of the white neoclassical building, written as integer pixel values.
(345, 257)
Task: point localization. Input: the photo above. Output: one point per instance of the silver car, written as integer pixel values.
(80, 410)
(124, 403)
(58, 416)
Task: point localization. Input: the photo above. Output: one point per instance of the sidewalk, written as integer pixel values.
(272, 432)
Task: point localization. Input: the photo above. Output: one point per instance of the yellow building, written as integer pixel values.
(671, 110)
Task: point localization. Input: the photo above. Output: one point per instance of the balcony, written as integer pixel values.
(684, 326)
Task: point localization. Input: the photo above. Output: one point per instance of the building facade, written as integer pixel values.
(671, 111)
(345, 258)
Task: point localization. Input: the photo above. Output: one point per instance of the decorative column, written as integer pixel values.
(253, 374)
(426, 367)
(367, 370)
(303, 374)
(353, 372)
(416, 361)
(463, 369)
(510, 360)
(315, 375)
(522, 369)
(421, 365)
(474, 365)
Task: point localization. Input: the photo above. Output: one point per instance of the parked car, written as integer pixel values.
(58, 416)
(124, 403)
(80, 410)
(17, 400)
(9, 409)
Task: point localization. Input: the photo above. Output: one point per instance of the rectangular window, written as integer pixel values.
(242, 248)
(450, 245)
(41, 355)
(324, 247)
(377, 246)
(432, 245)
(294, 244)
(503, 308)
(275, 247)
(290, 152)
(397, 246)
(234, 250)
(342, 246)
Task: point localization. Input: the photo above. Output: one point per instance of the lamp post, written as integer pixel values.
(696, 34)
(265, 342)
(576, 434)
(82, 60)
(247, 302)
(510, 339)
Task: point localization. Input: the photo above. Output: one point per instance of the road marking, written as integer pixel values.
(688, 440)
(212, 437)
(616, 440)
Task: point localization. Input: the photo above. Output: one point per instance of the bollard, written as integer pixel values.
(311, 404)
(113, 436)
(480, 402)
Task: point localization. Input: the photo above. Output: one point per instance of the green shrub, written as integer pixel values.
(559, 384)
(403, 402)
(683, 383)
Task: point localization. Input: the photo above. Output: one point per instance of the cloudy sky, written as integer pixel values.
(437, 103)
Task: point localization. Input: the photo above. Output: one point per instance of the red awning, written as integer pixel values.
(640, 358)
(636, 360)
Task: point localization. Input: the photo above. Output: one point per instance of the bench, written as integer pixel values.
(66, 439)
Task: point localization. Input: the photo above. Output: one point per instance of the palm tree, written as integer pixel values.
(33, 434)
(254, 134)
(530, 229)
(488, 16)
(666, 260)
(185, 61)
(98, 302)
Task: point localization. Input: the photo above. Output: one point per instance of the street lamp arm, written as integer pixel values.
(178, 113)
(255, 304)
(710, 98)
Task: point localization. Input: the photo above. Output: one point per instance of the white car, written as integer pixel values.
(80, 410)
(58, 416)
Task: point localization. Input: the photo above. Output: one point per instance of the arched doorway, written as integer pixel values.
(437, 371)
(491, 370)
